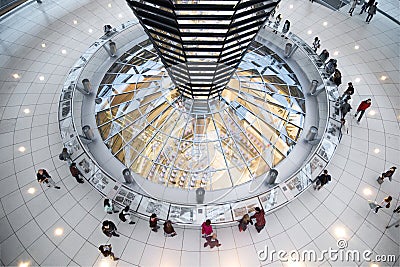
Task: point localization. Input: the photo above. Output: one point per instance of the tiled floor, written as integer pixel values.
(29, 139)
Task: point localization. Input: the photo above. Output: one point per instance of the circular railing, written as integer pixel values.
(99, 56)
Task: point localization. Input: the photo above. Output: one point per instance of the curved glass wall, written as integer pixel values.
(187, 143)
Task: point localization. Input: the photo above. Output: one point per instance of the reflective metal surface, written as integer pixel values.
(186, 143)
(201, 42)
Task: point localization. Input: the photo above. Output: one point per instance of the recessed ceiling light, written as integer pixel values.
(27, 111)
(367, 191)
(291, 6)
(109, 5)
(16, 76)
(325, 23)
(41, 78)
(43, 45)
(376, 150)
(75, 21)
(64, 51)
(90, 30)
(372, 112)
(340, 232)
(374, 265)
(336, 53)
(23, 264)
(356, 47)
(58, 231)
(383, 77)
(31, 190)
(357, 80)
(21, 149)
(309, 32)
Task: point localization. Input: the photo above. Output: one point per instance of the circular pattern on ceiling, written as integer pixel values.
(187, 143)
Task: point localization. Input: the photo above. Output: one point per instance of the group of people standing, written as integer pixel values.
(207, 232)
(335, 77)
(369, 7)
(43, 177)
(277, 22)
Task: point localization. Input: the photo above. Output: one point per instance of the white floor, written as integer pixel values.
(316, 220)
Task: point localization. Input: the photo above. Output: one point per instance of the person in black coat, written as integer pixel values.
(76, 173)
(366, 5)
(345, 108)
(106, 250)
(169, 230)
(322, 180)
(387, 174)
(153, 222)
(44, 177)
(125, 213)
(337, 77)
(109, 229)
(65, 156)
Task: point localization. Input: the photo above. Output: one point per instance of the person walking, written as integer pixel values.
(337, 77)
(278, 20)
(366, 5)
(65, 155)
(316, 44)
(348, 93)
(76, 173)
(353, 6)
(322, 180)
(206, 228)
(371, 12)
(324, 55)
(260, 219)
(212, 241)
(285, 29)
(44, 177)
(331, 66)
(244, 222)
(108, 206)
(345, 108)
(385, 202)
(387, 174)
(169, 229)
(109, 229)
(344, 127)
(153, 222)
(397, 222)
(106, 250)
(362, 108)
(125, 213)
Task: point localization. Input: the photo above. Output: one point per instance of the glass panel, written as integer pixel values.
(212, 143)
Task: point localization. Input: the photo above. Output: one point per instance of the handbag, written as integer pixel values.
(380, 180)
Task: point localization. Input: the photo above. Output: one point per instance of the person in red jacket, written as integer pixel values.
(206, 228)
(362, 107)
(260, 219)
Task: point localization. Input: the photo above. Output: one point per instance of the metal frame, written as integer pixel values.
(193, 37)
